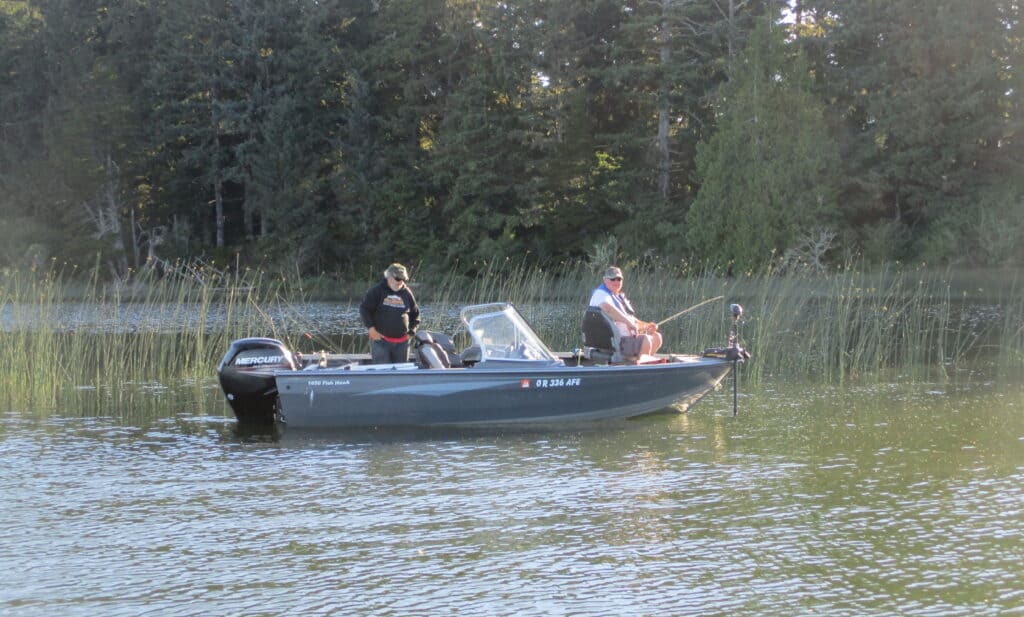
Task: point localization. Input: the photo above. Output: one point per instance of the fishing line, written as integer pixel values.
(309, 331)
(685, 311)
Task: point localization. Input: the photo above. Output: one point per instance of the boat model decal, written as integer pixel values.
(329, 382)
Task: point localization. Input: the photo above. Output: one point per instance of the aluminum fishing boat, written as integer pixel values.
(506, 375)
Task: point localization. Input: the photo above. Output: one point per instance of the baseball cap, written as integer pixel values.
(397, 271)
(612, 272)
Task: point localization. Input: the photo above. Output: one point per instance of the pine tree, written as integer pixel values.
(768, 171)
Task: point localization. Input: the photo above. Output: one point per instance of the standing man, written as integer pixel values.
(390, 314)
(638, 337)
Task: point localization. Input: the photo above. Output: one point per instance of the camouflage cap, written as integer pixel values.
(612, 272)
(397, 271)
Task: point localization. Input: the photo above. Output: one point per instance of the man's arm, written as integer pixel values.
(613, 311)
(414, 314)
(368, 305)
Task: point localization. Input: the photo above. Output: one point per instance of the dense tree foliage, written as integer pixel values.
(925, 99)
(769, 168)
(341, 134)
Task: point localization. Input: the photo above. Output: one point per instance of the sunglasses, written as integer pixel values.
(617, 278)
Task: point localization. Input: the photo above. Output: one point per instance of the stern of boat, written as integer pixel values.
(246, 375)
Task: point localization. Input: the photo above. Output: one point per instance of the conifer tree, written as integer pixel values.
(767, 172)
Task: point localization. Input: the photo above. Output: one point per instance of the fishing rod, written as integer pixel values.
(685, 311)
(311, 334)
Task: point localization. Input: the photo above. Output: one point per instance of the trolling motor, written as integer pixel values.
(732, 352)
(737, 354)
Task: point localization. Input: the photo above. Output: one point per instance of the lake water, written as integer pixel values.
(879, 500)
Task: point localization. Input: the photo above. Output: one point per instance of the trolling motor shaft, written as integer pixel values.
(732, 351)
(736, 353)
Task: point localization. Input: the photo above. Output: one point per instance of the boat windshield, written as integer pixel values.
(503, 334)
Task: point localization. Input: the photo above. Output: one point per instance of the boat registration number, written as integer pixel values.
(551, 383)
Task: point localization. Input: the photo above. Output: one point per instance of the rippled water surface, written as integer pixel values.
(876, 501)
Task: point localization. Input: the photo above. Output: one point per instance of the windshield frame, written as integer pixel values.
(503, 334)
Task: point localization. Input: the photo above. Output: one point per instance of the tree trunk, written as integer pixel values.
(135, 238)
(247, 218)
(218, 178)
(664, 160)
(105, 211)
(218, 199)
(731, 38)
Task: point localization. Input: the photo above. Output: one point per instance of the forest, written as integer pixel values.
(331, 136)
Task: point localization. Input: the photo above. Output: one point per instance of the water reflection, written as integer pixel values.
(889, 500)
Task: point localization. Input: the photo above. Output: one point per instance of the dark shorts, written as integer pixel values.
(629, 346)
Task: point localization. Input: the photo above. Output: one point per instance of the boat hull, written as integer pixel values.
(471, 396)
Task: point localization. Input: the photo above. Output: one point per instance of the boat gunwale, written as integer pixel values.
(690, 361)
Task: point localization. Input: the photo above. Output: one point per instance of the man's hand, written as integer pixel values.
(374, 335)
(646, 327)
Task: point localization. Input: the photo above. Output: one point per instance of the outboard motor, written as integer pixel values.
(247, 377)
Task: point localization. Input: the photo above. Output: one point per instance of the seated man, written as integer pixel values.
(638, 337)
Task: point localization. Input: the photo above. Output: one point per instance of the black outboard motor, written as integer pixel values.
(247, 377)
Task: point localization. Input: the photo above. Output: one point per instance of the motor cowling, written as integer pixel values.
(246, 375)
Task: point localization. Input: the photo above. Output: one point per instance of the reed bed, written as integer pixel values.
(887, 325)
(846, 327)
(157, 331)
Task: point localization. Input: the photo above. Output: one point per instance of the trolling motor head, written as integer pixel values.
(732, 351)
(734, 336)
(737, 352)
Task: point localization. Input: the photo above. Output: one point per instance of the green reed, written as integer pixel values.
(856, 326)
(48, 353)
(849, 326)
(845, 327)
(1008, 342)
(27, 351)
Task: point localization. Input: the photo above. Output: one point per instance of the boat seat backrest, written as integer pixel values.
(599, 332)
(445, 342)
(431, 354)
(471, 355)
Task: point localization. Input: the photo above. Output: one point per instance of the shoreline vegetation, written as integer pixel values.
(843, 328)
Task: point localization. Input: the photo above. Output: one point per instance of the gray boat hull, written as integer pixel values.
(475, 396)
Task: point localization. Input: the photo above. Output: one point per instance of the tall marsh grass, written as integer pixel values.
(849, 326)
(154, 332)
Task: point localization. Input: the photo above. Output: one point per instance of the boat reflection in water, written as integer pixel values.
(506, 376)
